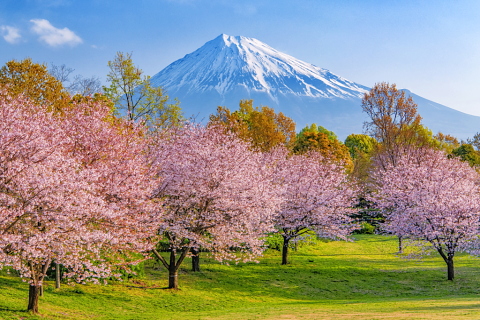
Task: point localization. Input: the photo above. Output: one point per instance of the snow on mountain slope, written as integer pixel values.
(226, 63)
(228, 69)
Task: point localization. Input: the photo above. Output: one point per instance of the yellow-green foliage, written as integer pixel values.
(135, 98)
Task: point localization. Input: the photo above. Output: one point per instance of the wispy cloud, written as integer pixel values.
(10, 34)
(54, 36)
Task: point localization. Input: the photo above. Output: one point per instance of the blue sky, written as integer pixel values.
(429, 47)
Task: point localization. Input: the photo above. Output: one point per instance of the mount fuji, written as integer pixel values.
(228, 69)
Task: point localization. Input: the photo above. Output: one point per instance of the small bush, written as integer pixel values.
(366, 228)
(274, 241)
(136, 271)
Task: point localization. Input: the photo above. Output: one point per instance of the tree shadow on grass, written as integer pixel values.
(13, 309)
(345, 276)
(12, 282)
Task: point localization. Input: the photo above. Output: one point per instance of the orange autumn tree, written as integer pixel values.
(323, 141)
(35, 82)
(396, 125)
(261, 126)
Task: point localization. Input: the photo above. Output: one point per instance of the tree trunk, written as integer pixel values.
(57, 275)
(450, 269)
(195, 259)
(285, 250)
(172, 271)
(173, 266)
(172, 278)
(33, 294)
(400, 244)
(448, 258)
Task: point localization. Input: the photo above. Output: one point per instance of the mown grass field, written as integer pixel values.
(328, 280)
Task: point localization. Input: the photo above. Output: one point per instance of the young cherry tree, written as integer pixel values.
(216, 195)
(428, 196)
(72, 187)
(317, 196)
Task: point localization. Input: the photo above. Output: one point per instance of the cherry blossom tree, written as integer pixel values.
(73, 190)
(317, 196)
(217, 195)
(428, 196)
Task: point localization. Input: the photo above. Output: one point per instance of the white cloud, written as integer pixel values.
(10, 34)
(54, 36)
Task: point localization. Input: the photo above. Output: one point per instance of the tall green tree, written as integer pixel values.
(134, 96)
(361, 148)
(315, 128)
(360, 145)
(466, 152)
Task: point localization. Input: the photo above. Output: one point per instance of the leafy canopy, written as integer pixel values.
(325, 142)
(35, 82)
(136, 98)
(262, 127)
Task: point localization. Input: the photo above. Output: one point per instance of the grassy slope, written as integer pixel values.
(335, 280)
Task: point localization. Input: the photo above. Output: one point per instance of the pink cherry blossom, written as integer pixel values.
(428, 196)
(74, 189)
(216, 195)
(317, 195)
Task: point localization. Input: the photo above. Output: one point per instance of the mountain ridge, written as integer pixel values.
(228, 69)
(256, 66)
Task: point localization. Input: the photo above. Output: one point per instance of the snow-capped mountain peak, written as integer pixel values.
(228, 69)
(229, 63)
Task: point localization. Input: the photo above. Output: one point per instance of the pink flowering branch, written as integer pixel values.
(216, 195)
(317, 196)
(428, 196)
(73, 187)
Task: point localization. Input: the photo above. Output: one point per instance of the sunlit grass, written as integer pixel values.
(364, 279)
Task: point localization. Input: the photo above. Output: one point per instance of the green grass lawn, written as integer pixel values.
(363, 279)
